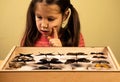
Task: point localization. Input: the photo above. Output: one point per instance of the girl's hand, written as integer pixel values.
(55, 41)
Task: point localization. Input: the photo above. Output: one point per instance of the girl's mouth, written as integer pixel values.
(45, 31)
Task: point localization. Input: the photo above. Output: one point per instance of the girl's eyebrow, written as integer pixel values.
(37, 14)
(51, 16)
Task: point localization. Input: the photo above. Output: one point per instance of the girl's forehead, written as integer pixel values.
(46, 8)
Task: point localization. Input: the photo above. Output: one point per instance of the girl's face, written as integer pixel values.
(48, 17)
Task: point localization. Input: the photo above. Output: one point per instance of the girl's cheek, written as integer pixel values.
(38, 24)
(56, 25)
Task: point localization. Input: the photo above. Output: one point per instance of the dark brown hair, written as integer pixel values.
(69, 35)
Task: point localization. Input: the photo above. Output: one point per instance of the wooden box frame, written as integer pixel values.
(57, 76)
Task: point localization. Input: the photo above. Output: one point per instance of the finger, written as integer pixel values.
(55, 33)
(51, 41)
(55, 42)
(49, 37)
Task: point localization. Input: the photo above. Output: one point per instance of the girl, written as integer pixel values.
(45, 25)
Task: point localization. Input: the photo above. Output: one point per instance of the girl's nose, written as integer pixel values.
(44, 25)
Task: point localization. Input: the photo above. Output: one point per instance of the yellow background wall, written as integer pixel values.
(100, 23)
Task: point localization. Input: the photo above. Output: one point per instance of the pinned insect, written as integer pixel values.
(23, 58)
(97, 53)
(102, 65)
(47, 64)
(49, 67)
(103, 57)
(69, 61)
(20, 60)
(49, 54)
(16, 64)
(101, 61)
(46, 54)
(77, 53)
(53, 61)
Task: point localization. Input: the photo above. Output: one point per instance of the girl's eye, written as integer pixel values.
(51, 19)
(39, 17)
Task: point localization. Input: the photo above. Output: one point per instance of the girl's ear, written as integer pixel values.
(66, 17)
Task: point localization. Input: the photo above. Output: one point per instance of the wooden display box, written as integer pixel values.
(57, 64)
